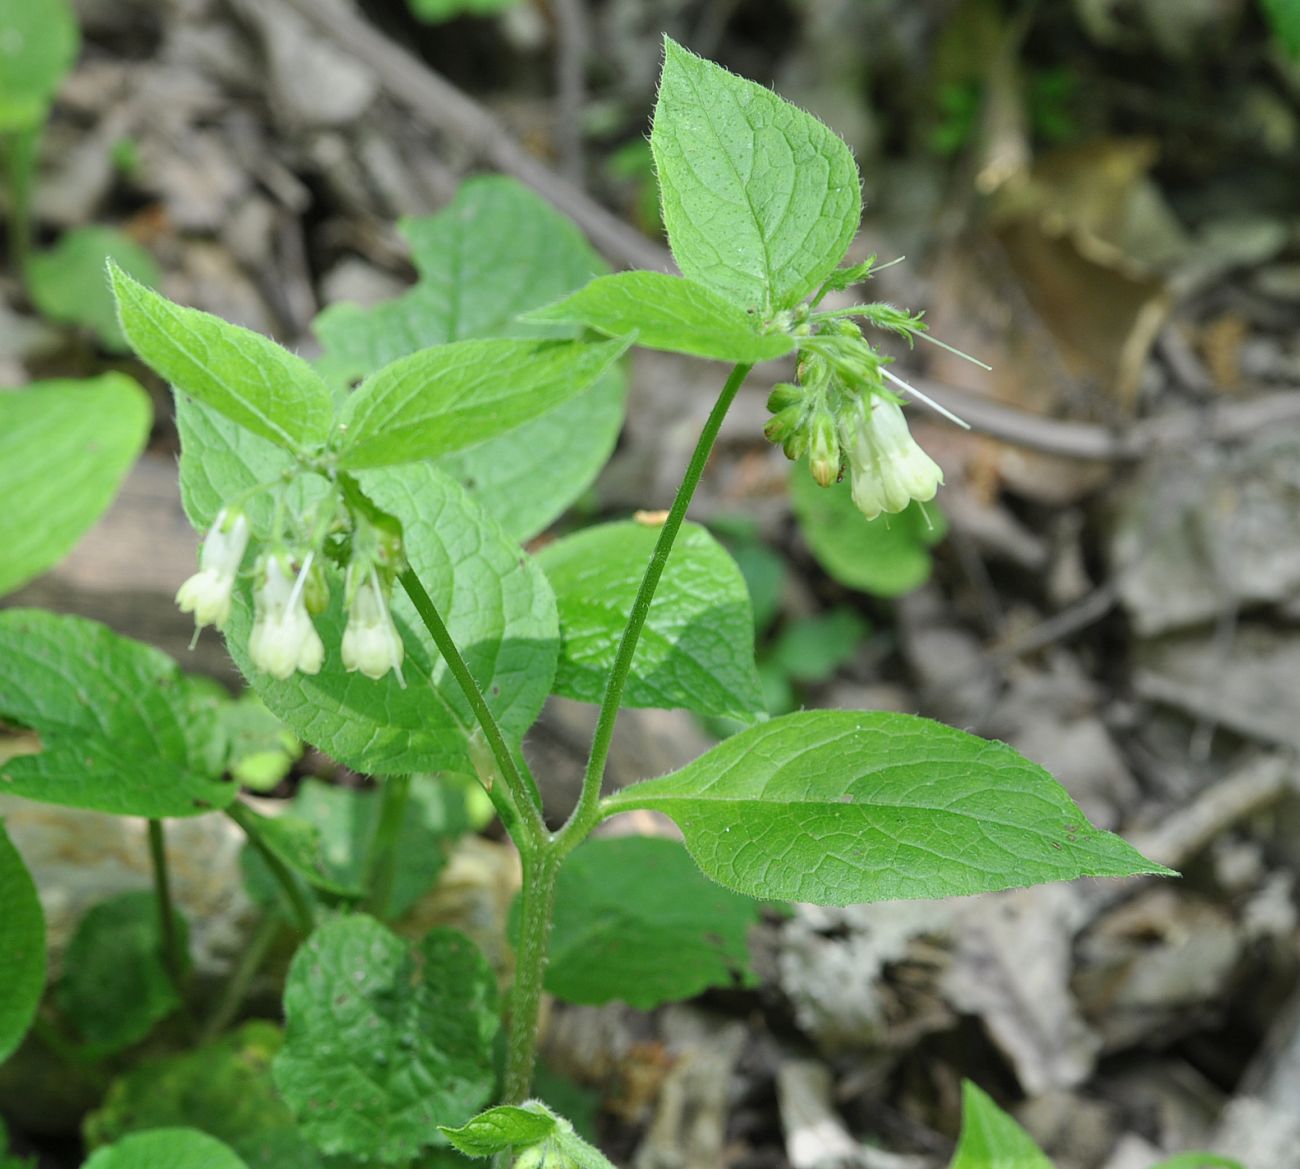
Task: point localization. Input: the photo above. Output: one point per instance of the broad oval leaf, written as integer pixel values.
(760, 199)
(385, 1041)
(176, 1148)
(668, 312)
(636, 921)
(527, 477)
(22, 948)
(453, 396)
(115, 985)
(886, 557)
(248, 377)
(474, 281)
(837, 807)
(990, 1139)
(495, 601)
(697, 648)
(65, 447)
(119, 728)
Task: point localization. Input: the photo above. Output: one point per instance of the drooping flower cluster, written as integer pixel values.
(842, 412)
(289, 588)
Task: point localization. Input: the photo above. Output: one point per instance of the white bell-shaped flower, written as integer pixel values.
(371, 642)
(207, 593)
(283, 638)
(887, 468)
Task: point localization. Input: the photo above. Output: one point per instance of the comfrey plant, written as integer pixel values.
(362, 560)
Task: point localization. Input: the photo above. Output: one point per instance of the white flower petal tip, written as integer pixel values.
(888, 470)
(207, 593)
(371, 643)
(283, 639)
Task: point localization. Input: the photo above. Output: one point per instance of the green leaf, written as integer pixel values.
(176, 1148)
(67, 283)
(498, 1129)
(495, 601)
(697, 649)
(22, 948)
(385, 1042)
(248, 377)
(526, 477)
(65, 447)
(990, 1139)
(838, 807)
(636, 921)
(296, 844)
(668, 312)
(760, 199)
(475, 281)
(223, 1088)
(811, 649)
(115, 985)
(344, 821)
(887, 556)
(38, 44)
(557, 1147)
(454, 396)
(1284, 19)
(118, 726)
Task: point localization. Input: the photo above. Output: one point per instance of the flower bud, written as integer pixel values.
(780, 427)
(315, 589)
(824, 449)
(283, 638)
(784, 395)
(207, 593)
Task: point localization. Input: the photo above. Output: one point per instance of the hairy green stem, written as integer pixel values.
(587, 812)
(241, 978)
(299, 906)
(519, 804)
(173, 952)
(381, 852)
(536, 904)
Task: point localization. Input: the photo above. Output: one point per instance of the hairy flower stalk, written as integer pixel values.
(283, 638)
(207, 593)
(888, 469)
(371, 643)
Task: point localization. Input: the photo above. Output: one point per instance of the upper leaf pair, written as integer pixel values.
(760, 200)
(419, 407)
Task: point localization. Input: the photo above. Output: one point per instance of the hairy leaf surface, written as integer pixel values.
(760, 199)
(454, 396)
(119, 729)
(385, 1041)
(248, 377)
(697, 649)
(636, 921)
(668, 312)
(838, 807)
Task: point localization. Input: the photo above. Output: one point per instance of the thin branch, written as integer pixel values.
(433, 98)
